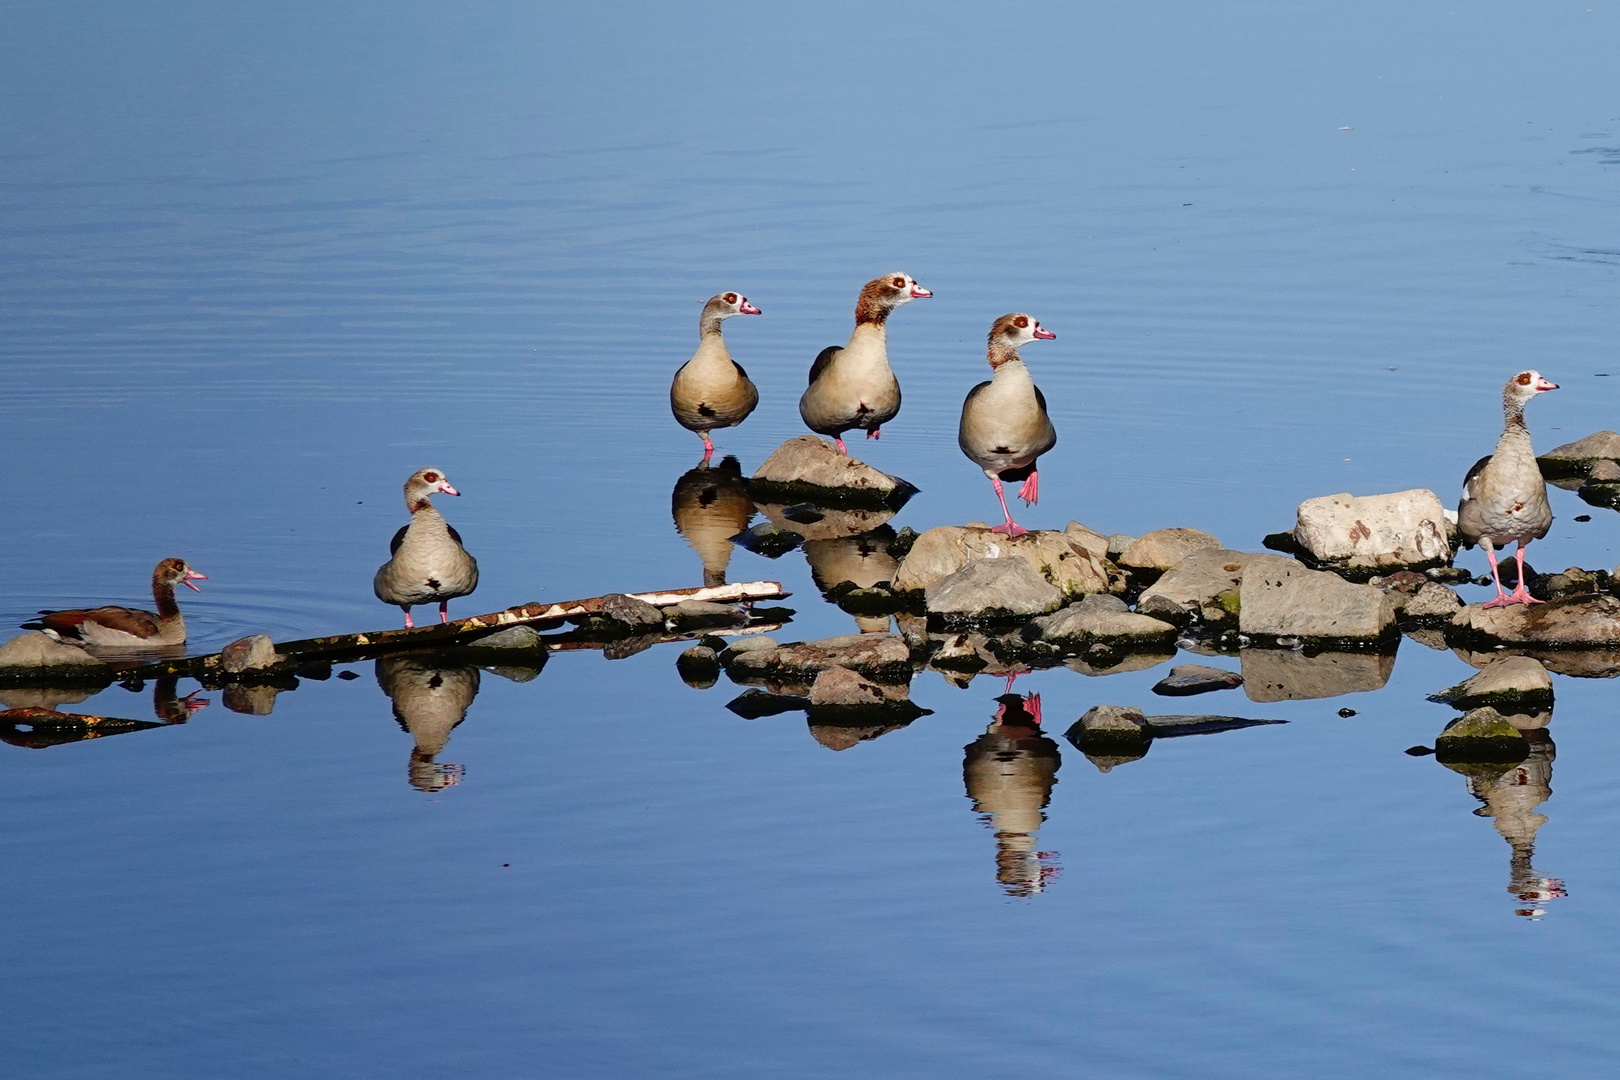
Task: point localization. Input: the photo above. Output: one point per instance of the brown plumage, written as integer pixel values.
(115, 627)
(853, 387)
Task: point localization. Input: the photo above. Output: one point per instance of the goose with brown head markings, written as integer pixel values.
(712, 390)
(853, 387)
(1504, 498)
(115, 627)
(429, 563)
(1004, 428)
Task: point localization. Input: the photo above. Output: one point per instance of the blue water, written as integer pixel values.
(256, 266)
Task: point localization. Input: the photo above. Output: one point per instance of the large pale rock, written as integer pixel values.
(1291, 675)
(941, 552)
(1577, 458)
(1194, 587)
(631, 612)
(1434, 602)
(1111, 719)
(1162, 549)
(1481, 735)
(839, 686)
(1574, 622)
(1279, 597)
(1509, 684)
(810, 461)
(255, 652)
(1087, 539)
(1404, 528)
(38, 650)
(986, 589)
(1101, 618)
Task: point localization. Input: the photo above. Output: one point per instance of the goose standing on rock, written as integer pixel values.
(128, 628)
(429, 562)
(853, 386)
(1004, 427)
(712, 390)
(1504, 498)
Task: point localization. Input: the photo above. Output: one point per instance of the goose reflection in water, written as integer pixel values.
(710, 505)
(1510, 800)
(1009, 772)
(430, 698)
(169, 706)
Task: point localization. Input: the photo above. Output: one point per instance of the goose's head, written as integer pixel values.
(883, 294)
(727, 304)
(1524, 386)
(1011, 332)
(424, 483)
(172, 572)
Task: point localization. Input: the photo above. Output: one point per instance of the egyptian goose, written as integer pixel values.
(1004, 427)
(712, 390)
(430, 698)
(1504, 498)
(128, 628)
(429, 562)
(710, 505)
(853, 386)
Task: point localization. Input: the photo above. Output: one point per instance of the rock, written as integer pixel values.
(1511, 684)
(1126, 720)
(513, 637)
(1278, 597)
(1198, 588)
(1572, 623)
(39, 650)
(1434, 602)
(631, 612)
(757, 642)
(1107, 660)
(992, 589)
(1578, 458)
(1087, 539)
(1117, 543)
(883, 657)
(959, 652)
(1604, 471)
(810, 468)
(253, 653)
(1164, 548)
(943, 551)
(754, 704)
(842, 736)
(1481, 735)
(1100, 618)
(767, 541)
(841, 686)
(250, 699)
(1430, 637)
(1572, 582)
(1291, 675)
(1404, 528)
(691, 614)
(1173, 727)
(698, 667)
(1185, 680)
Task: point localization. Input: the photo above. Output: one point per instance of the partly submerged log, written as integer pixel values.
(38, 728)
(458, 632)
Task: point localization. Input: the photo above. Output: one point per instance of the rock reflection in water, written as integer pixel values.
(710, 505)
(1510, 796)
(1009, 772)
(1295, 675)
(430, 696)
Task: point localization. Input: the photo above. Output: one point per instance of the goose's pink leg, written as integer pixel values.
(1502, 599)
(1011, 528)
(873, 433)
(408, 624)
(842, 449)
(1032, 705)
(708, 448)
(1031, 491)
(444, 611)
(1520, 594)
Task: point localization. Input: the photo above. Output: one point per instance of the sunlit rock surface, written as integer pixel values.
(1204, 585)
(1101, 618)
(1509, 684)
(1571, 622)
(1402, 528)
(808, 466)
(1481, 735)
(253, 653)
(1279, 597)
(1577, 458)
(942, 551)
(1164, 548)
(990, 589)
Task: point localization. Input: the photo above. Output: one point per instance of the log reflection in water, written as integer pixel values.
(710, 505)
(431, 696)
(1009, 772)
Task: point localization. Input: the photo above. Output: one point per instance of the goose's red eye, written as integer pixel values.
(1021, 321)
(432, 477)
(731, 298)
(1524, 379)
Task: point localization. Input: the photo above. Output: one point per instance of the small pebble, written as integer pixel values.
(1419, 751)
(348, 676)
(1347, 713)
(1583, 517)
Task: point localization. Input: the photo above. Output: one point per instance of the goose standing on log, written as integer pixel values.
(853, 386)
(1504, 498)
(114, 627)
(1004, 428)
(429, 563)
(712, 390)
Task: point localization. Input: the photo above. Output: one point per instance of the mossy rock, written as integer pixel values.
(1483, 735)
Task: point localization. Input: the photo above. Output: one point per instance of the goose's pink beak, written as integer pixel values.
(444, 486)
(1542, 386)
(748, 309)
(918, 292)
(1044, 334)
(192, 575)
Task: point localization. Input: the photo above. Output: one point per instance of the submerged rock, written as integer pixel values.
(513, 637)
(1164, 548)
(699, 667)
(1570, 623)
(1185, 680)
(630, 612)
(943, 551)
(1481, 735)
(1576, 459)
(1278, 597)
(990, 590)
(809, 468)
(1100, 619)
(692, 614)
(1292, 675)
(39, 650)
(1203, 586)
(1511, 684)
(1400, 529)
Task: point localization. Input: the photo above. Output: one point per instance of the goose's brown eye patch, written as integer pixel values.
(1523, 378)
(432, 477)
(1021, 322)
(899, 282)
(731, 298)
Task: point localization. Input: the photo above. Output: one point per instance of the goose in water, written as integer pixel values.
(853, 386)
(128, 628)
(429, 563)
(1504, 498)
(1004, 427)
(712, 390)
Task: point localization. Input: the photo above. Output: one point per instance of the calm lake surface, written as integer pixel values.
(259, 265)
